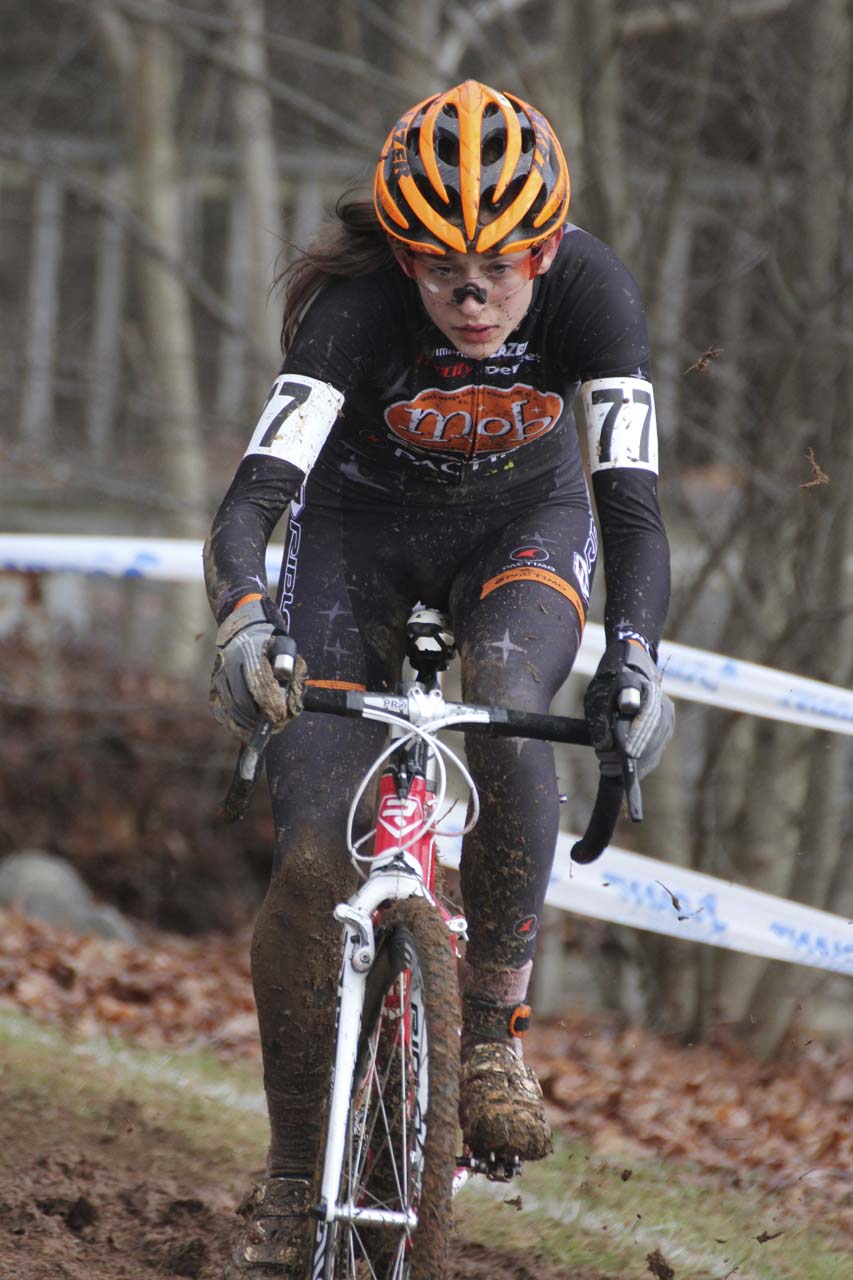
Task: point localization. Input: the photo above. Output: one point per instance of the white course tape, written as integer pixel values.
(622, 887)
(157, 559)
(694, 674)
(628, 888)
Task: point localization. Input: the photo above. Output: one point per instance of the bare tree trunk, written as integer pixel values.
(259, 184)
(422, 25)
(146, 64)
(351, 28)
(595, 35)
(231, 397)
(671, 204)
(43, 312)
(827, 536)
(105, 365)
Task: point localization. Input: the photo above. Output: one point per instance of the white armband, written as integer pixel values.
(296, 420)
(620, 423)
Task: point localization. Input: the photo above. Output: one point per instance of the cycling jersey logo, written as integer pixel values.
(446, 366)
(475, 419)
(529, 555)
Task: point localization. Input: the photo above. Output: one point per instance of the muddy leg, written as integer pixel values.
(296, 943)
(513, 654)
(510, 658)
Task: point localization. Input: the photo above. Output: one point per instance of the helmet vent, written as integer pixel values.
(493, 149)
(447, 149)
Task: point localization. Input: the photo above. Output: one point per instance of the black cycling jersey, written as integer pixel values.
(375, 404)
(422, 474)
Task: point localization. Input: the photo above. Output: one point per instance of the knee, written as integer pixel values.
(494, 683)
(311, 874)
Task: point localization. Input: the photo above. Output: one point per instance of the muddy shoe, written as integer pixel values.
(501, 1108)
(275, 1242)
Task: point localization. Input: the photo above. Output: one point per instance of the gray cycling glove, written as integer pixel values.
(627, 666)
(243, 687)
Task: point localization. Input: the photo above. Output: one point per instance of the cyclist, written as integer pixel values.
(421, 433)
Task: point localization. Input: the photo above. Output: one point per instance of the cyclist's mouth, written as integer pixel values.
(476, 332)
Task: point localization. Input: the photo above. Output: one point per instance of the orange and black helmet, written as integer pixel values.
(471, 170)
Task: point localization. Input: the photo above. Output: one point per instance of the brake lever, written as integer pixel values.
(250, 761)
(629, 705)
(281, 653)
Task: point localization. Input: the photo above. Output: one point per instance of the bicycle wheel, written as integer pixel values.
(401, 1139)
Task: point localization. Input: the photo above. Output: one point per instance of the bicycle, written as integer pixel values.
(388, 1167)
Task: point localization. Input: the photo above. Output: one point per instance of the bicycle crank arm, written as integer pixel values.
(494, 1169)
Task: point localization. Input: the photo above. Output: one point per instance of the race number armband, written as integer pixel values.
(296, 419)
(620, 423)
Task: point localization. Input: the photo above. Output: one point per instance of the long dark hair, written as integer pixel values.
(351, 245)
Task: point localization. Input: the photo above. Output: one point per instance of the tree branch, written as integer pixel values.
(308, 107)
(678, 16)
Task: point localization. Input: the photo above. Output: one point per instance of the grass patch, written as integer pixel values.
(214, 1109)
(578, 1210)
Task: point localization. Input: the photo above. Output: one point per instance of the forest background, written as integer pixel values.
(160, 161)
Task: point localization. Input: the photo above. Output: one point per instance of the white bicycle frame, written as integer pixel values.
(388, 882)
(394, 876)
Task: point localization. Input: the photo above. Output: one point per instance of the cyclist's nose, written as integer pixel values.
(470, 289)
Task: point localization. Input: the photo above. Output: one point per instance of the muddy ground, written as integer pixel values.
(108, 1195)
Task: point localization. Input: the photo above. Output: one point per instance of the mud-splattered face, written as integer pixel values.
(477, 299)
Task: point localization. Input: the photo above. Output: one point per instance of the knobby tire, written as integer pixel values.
(397, 1087)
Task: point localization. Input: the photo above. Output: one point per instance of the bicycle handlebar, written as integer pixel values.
(494, 721)
(499, 722)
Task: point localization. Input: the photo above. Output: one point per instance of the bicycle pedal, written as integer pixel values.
(496, 1170)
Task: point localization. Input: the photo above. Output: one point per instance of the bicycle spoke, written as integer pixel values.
(404, 1149)
(364, 1256)
(363, 1146)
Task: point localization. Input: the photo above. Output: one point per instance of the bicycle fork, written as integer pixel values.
(398, 879)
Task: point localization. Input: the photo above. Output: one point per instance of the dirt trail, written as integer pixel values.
(105, 1193)
(114, 1172)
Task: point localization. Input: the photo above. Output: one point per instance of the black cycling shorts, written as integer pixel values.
(515, 581)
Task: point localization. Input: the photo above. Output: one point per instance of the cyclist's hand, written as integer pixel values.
(627, 666)
(243, 685)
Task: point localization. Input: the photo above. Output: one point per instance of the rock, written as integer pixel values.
(49, 888)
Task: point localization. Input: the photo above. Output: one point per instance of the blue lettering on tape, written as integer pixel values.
(701, 915)
(817, 705)
(141, 565)
(705, 675)
(825, 952)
